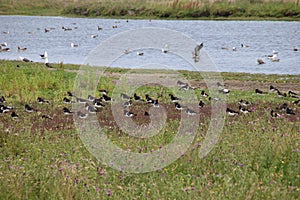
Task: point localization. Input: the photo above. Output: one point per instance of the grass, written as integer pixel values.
(167, 9)
(256, 156)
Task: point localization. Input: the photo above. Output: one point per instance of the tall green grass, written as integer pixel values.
(182, 9)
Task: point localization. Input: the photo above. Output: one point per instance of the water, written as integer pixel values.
(262, 37)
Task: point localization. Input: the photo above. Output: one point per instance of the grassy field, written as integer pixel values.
(167, 9)
(256, 157)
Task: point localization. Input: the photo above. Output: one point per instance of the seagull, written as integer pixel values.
(74, 45)
(24, 59)
(127, 51)
(47, 64)
(67, 111)
(165, 49)
(45, 55)
(260, 61)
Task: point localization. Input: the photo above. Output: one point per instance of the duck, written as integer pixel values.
(139, 53)
(295, 49)
(234, 49)
(22, 48)
(94, 36)
(100, 28)
(260, 61)
(244, 46)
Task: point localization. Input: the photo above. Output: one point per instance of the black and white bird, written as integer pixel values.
(28, 109)
(281, 94)
(40, 100)
(82, 115)
(155, 104)
(97, 103)
(125, 96)
(292, 93)
(90, 109)
(148, 99)
(47, 64)
(190, 112)
(14, 115)
(2, 99)
(127, 104)
(45, 55)
(46, 117)
(289, 111)
(136, 97)
(70, 94)
(204, 94)
(244, 103)
(178, 106)
(243, 110)
(67, 101)
(106, 98)
(257, 91)
(103, 91)
(81, 100)
(91, 98)
(231, 112)
(67, 111)
(201, 104)
(165, 49)
(128, 114)
(139, 53)
(24, 59)
(224, 91)
(275, 114)
(174, 98)
(273, 89)
(22, 48)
